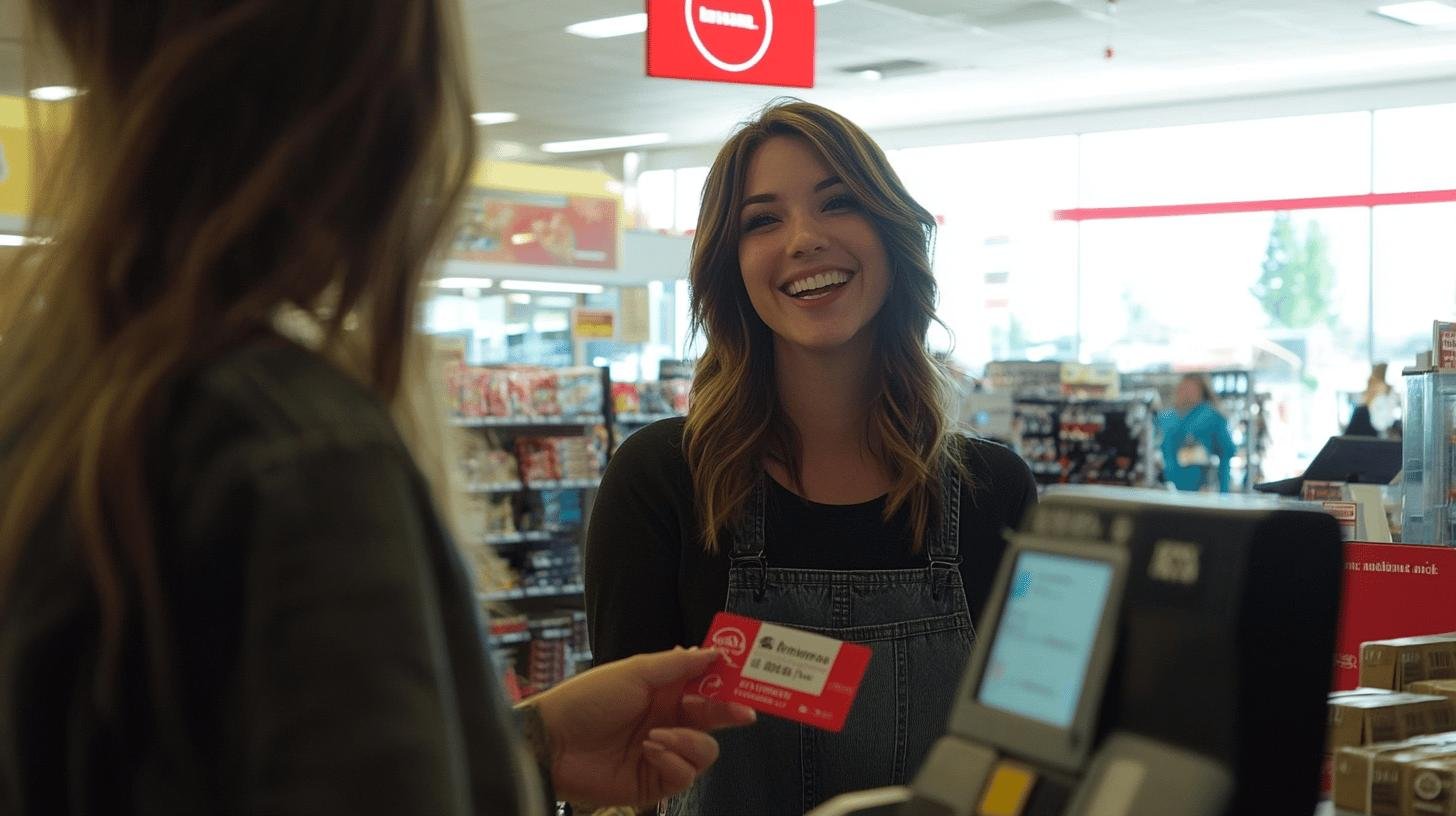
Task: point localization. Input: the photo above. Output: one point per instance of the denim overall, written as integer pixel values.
(918, 625)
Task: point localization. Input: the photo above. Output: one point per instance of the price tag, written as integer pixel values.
(782, 671)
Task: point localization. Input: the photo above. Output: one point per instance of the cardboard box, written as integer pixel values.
(1430, 788)
(1395, 664)
(1364, 719)
(1365, 780)
(1445, 688)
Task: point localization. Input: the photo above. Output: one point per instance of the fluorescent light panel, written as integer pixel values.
(607, 143)
(494, 117)
(464, 283)
(610, 26)
(52, 93)
(1421, 13)
(7, 239)
(552, 286)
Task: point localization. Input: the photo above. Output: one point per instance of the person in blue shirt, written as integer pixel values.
(1196, 437)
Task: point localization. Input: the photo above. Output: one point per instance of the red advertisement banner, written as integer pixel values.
(756, 42)
(539, 229)
(1392, 590)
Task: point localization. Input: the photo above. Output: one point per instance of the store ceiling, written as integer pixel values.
(993, 59)
(988, 59)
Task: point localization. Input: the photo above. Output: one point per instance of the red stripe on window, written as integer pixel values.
(1268, 205)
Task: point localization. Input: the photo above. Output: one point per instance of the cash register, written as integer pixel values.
(1142, 654)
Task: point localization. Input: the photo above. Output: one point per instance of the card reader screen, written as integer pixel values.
(1042, 645)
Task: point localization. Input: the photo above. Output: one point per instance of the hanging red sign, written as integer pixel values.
(755, 42)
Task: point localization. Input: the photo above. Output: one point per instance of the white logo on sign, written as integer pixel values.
(721, 65)
(1175, 562)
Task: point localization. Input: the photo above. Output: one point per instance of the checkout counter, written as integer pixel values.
(1142, 654)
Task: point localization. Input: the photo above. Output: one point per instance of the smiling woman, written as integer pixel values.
(814, 483)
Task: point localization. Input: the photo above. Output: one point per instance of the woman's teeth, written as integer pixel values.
(816, 286)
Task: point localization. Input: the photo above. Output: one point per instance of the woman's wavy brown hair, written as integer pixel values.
(226, 161)
(736, 421)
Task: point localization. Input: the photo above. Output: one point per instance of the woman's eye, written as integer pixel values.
(760, 220)
(841, 202)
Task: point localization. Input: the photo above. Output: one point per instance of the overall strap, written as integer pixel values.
(748, 538)
(943, 543)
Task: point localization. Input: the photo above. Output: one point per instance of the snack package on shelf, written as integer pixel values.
(551, 564)
(561, 509)
(499, 515)
(543, 389)
(655, 399)
(626, 398)
(549, 458)
(483, 461)
(492, 573)
(579, 391)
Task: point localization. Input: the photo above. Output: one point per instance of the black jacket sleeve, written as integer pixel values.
(349, 692)
(635, 543)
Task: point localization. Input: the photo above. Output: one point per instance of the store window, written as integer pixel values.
(656, 199)
(1414, 280)
(1289, 157)
(1007, 271)
(1413, 149)
(669, 199)
(1283, 294)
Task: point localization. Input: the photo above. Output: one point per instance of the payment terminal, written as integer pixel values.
(1143, 654)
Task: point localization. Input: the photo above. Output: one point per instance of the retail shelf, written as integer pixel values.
(494, 487)
(528, 421)
(498, 539)
(518, 593)
(564, 484)
(642, 419)
(539, 484)
(554, 633)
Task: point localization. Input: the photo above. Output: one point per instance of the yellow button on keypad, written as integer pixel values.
(1008, 790)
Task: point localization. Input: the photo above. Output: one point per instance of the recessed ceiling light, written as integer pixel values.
(610, 26)
(826, 2)
(494, 117)
(53, 93)
(607, 143)
(552, 286)
(1421, 13)
(10, 240)
(871, 74)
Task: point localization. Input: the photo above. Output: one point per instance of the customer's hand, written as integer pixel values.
(626, 733)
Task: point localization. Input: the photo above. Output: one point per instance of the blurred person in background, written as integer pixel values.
(1379, 407)
(1196, 441)
(224, 585)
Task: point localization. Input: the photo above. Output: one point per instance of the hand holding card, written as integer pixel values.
(782, 671)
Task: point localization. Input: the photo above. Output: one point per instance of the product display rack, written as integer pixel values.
(1085, 441)
(534, 592)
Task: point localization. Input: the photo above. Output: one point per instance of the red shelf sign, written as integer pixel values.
(755, 42)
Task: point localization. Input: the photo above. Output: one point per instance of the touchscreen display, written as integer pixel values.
(1038, 661)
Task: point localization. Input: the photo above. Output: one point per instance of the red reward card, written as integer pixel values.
(785, 672)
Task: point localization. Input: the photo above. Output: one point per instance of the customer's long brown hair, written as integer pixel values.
(226, 160)
(735, 420)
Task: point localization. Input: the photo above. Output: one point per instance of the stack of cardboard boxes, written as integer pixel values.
(1393, 741)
